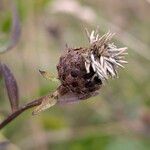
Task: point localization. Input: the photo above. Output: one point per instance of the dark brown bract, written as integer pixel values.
(73, 75)
(83, 71)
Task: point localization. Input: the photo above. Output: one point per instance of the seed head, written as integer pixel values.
(83, 71)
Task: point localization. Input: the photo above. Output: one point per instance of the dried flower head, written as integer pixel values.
(83, 71)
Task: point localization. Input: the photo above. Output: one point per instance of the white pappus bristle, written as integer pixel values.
(103, 56)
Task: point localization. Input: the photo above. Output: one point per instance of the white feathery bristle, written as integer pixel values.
(93, 37)
(106, 58)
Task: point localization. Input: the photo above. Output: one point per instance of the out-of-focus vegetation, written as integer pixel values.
(117, 119)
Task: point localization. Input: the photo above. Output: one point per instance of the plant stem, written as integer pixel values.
(15, 114)
(63, 100)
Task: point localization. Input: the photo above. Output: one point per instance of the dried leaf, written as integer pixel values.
(71, 97)
(15, 31)
(48, 76)
(11, 86)
(68, 98)
(50, 100)
(47, 102)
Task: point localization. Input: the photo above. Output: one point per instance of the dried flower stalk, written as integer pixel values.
(83, 71)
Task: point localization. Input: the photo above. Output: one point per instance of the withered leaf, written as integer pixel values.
(47, 102)
(11, 86)
(54, 98)
(50, 100)
(48, 76)
(68, 98)
(71, 97)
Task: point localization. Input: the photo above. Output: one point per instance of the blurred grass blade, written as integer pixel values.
(15, 31)
(11, 86)
(0, 69)
(47, 102)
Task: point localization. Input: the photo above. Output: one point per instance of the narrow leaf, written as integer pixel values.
(11, 86)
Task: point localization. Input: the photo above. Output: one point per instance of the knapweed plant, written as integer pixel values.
(81, 71)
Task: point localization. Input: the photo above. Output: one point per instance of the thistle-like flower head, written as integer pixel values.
(83, 71)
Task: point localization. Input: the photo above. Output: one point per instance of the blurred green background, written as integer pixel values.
(118, 118)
